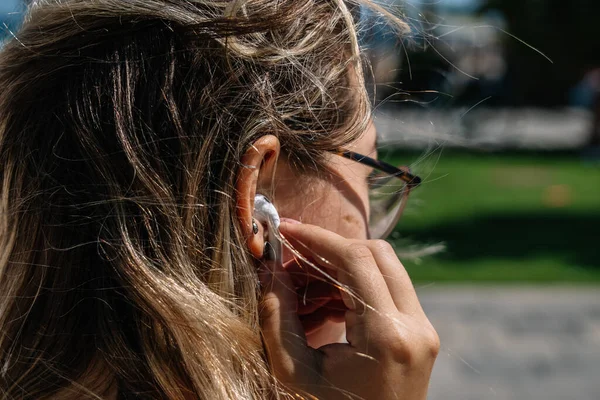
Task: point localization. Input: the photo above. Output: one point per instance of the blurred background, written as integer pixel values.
(496, 105)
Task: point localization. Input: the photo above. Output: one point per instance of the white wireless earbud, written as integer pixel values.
(266, 214)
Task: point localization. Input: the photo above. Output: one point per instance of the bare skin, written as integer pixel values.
(338, 203)
(390, 346)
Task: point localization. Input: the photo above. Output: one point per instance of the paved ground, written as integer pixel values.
(517, 343)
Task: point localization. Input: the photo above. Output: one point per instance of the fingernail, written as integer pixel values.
(290, 221)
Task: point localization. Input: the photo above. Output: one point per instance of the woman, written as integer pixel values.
(134, 137)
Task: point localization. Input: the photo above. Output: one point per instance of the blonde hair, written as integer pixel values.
(122, 265)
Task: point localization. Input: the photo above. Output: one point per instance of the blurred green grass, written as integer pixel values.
(520, 217)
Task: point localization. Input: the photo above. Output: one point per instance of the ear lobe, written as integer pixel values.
(255, 174)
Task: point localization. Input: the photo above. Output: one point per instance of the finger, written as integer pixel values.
(396, 278)
(355, 264)
(315, 295)
(303, 273)
(282, 331)
(313, 322)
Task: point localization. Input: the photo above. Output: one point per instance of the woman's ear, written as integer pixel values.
(257, 169)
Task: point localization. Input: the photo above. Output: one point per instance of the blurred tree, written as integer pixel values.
(566, 31)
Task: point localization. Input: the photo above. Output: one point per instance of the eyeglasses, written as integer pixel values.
(389, 188)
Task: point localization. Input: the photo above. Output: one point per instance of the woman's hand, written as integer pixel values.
(392, 345)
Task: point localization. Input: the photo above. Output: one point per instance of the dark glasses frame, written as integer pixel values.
(403, 173)
(412, 181)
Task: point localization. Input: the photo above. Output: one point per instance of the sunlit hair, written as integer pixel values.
(123, 270)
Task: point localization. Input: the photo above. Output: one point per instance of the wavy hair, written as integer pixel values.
(123, 270)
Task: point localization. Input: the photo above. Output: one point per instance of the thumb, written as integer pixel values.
(288, 352)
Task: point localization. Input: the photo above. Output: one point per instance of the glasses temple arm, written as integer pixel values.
(412, 180)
